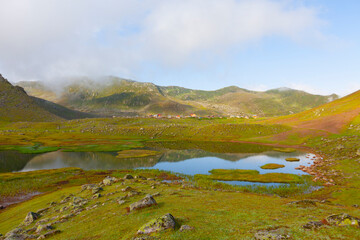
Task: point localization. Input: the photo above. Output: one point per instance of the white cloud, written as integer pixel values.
(47, 39)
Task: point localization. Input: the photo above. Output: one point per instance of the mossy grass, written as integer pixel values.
(272, 166)
(285, 150)
(292, 159)
(137, 153)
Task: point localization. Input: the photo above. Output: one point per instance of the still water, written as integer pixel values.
(189, 161)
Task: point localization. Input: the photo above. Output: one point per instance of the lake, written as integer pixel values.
(185, 161)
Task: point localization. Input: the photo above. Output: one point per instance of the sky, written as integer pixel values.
(311, 45)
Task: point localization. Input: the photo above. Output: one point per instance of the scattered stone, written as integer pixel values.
(52, 204)
(30, 218)
(96, 196)
(132, 193)
(126, 189)
(156, 194)
(340, 147)
(121, 202)
(159, 224)
(144, 237)
(153, 187)
(141, 177)
(49, 234)
(42, 228)
(303, 203)
(15, 231)
(108, 181)
(78, 202)
(128, 176)
(313, 225)
(41, 211)
(358, 152)
(274, 234)
(186, 228)
(143, 203)
(343, 220)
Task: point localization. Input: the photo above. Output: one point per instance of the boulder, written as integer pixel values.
(128, 176)
(143, 203)
(186, 228)
(30, 218)
(108, 181)
(158, 224)
(343, 219)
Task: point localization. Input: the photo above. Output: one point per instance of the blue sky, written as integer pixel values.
(313, 45)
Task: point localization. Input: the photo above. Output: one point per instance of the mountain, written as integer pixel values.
(16, 105)
(331, 117)
(115, 96)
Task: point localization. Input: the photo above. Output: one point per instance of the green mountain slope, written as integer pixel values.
(331, 117)
(16, 105)
(116, 96)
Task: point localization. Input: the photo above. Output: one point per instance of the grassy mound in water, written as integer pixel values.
(292, 159)
(252, 176)
(272, 166)
(136, 153)
(285, 150)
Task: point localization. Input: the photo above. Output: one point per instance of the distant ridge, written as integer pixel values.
(116, 96)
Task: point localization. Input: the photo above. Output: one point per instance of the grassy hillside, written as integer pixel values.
(16, 105)
(115, 96)
(331, 117)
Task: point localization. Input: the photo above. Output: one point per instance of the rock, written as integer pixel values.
(186, 228)
(156, 194)
(144, 237)
(41, 211)
(108, 181)
(128, 176)
(42, 228)
(78, 202)
(313, 225)
(132, 193)
(126, 189)
(358, 152)
(96, 196)
(159, 224)
(303, 203)
(49, 234)
(121, 202)
(19, 237)
(275, 234)
(52, 204)
(30, 218)
(339, 147)
(143, 203)
(141, 177)
(343, 220)
(15, 231)
(2, 207)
